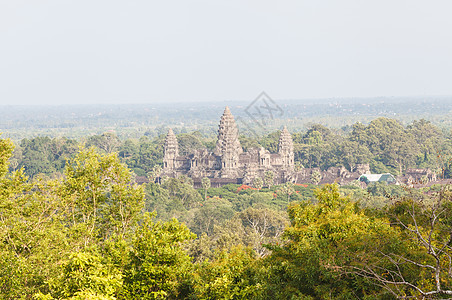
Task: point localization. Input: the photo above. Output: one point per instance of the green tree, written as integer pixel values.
(128, 150)
(85, 276)
(214, 211)
(37, 156)
(269, 178)
(227, 276)
(101, 199)
(316, 177)
(188, 143)
(6, 151)
(287, 189)
(107, 142)
(205, 183)
(351, 153)
(248, 143)
(311, 156)
(32, 236)
(262, 226)
(428, 138)
(150, 153)
(270, 142)
(158, 200)
(154, 175)
(388, 140)
(321, 239)
(158, 264)
(258, 183)
(419, 266)
(44, 155)
(181, 192)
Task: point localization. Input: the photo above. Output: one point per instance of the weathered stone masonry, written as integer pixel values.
(228, 163)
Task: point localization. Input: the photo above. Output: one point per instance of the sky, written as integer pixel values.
(147, 51)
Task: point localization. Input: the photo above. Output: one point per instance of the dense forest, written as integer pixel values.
(90, 234)
(76, 223)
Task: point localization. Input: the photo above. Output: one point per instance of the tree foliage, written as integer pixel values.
(86, 233)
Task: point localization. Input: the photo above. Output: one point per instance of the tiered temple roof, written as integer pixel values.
(285, 149)
(171, 150)
(285, 141)
(228, 136)
(171, 144)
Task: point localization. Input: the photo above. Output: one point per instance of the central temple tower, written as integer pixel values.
(228, 146)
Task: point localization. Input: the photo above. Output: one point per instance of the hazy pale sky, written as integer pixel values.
(79, 52)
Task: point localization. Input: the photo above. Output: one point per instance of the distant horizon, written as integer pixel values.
(183, 102)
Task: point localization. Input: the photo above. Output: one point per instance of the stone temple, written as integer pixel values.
(228, 163)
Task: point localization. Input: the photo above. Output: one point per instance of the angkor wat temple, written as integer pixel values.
(228, 163)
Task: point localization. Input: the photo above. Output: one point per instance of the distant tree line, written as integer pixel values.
(384, 144)
(92, 233)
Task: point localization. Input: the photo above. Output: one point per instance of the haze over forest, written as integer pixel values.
(133, 120)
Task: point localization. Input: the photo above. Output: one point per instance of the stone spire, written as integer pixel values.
(170, 150)
(228, 145)
(228, 137)
(285, 148)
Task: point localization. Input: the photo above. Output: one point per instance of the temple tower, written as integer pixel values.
(228, 145)
(170, 151)
(285, 149)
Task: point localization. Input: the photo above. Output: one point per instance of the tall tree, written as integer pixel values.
(287, 189)
(158, 264)
(320, 240)
(316, 177)
(388, 141)
(419, 267)
(258, 183)
(205, 185)
(32, 236)
(269, 178)
(100, 195)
